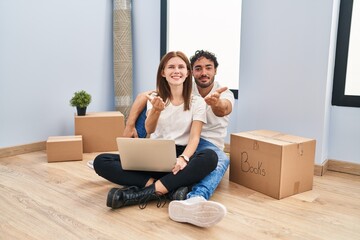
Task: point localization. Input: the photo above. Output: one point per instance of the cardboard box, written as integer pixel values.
(100, 130)
(273, 163)
(64, 148)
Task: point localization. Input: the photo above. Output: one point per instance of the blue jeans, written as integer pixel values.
(207, 185)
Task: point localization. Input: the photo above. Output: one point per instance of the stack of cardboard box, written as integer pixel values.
(94, 132)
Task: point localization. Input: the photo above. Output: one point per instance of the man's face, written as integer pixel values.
(204, 72)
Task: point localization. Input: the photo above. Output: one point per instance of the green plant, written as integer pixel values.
(80, 99)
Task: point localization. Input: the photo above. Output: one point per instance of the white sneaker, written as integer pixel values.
(90, 164)
(197, 211)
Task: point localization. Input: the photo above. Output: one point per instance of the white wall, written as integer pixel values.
(284, 68)
(344, 139)
(49, 50)
(285, 75)
(146, 37)
(286, 72)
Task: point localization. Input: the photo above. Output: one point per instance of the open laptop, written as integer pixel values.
(145, 154)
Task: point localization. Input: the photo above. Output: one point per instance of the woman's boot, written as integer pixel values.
(118, 198)
(114, 196)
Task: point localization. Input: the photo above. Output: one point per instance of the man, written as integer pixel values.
(196, 209)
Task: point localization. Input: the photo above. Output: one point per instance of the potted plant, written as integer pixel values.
(80, 100)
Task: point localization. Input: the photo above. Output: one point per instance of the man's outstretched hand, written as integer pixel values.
(213, 99)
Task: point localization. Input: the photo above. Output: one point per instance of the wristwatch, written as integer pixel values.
(186, 158)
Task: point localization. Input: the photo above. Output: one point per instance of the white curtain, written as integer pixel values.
(122, 42)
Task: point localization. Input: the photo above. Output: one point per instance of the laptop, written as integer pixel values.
(145, 154)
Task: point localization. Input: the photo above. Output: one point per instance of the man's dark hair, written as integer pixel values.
(205, 54)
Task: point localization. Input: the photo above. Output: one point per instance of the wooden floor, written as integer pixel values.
(40, 200)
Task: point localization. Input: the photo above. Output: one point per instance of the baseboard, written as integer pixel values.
(320, 170)
(21, 149)
(344, 167)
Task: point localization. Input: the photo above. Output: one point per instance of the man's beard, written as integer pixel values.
(204, 85)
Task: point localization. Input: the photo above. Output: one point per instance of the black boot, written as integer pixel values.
(115, 194)
(118, 198)
(178, 194)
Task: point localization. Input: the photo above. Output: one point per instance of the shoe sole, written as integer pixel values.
(201, 214)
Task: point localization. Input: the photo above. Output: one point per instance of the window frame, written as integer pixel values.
(339, 98)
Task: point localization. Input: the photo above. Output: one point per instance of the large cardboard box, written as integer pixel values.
(273, 163)
(64, 148)
(100, 130)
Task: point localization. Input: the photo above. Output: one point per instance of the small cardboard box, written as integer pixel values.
(273, 163)
(100, 130)
(64, 148)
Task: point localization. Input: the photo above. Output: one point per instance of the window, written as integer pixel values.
(190, 25)
(346, 88)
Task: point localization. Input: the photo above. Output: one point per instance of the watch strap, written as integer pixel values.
(186, 158)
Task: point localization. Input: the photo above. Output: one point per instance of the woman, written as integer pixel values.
(172, 113)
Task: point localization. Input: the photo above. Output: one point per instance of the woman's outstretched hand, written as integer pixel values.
(157, 102)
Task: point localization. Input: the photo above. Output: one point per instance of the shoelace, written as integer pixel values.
(160, 197)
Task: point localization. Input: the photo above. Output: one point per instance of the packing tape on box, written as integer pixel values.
(276, 137)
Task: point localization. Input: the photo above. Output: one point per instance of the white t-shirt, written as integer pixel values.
(215, 130)
(174, 123)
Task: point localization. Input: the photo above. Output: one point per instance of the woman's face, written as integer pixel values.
(175, 71)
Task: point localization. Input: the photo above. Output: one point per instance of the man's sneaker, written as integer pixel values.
(178, 194)
(197, 211)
